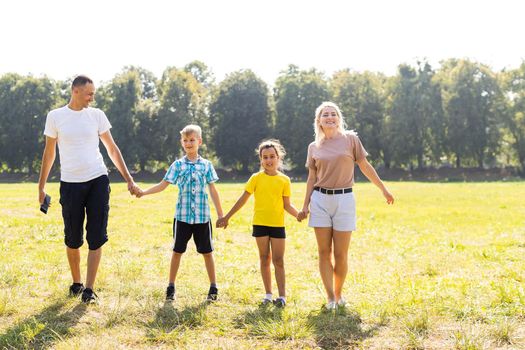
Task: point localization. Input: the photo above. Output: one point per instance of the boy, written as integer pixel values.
(191, 173)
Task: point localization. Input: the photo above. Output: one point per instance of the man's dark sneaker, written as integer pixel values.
(279, 302)
(76, 289)
(88, 296)
(212, 294)
(170, 293)
(265, 302)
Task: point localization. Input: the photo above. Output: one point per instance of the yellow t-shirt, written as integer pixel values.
(268, 192)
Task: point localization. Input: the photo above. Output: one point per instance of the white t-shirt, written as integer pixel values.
(78, 139)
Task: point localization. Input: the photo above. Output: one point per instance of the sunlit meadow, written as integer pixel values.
(443, 268)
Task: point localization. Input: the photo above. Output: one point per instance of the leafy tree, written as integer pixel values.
(416, 115)
(514, 118)
(120, 100)
(361, 97)
(297, 94)
(201, 72)
(471, 98)
(240, 114)
(182, 102)
(148, 82)
(24, 104)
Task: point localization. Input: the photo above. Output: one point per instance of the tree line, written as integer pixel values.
(462, 114)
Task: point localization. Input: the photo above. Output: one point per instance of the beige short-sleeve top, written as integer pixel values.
(334, 160)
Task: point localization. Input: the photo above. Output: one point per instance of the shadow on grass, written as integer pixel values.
(259, 320)
(341, 328)
(41, 331)
(170, 322)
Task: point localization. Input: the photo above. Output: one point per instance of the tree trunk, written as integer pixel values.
(420, 164)
(458, 161)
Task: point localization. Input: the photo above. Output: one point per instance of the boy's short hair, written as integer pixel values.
(191, 129)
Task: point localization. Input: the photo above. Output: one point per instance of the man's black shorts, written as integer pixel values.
(202, 236)
(81, 198)
(273, 232)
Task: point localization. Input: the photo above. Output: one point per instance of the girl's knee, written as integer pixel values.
(265, 259)
(278, 261)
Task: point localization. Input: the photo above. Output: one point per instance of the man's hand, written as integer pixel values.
(41, 196)
(133, 188)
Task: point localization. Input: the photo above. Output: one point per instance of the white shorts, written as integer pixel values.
(333, 210)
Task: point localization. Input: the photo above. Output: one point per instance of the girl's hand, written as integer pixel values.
(221, 222)
(302, 215)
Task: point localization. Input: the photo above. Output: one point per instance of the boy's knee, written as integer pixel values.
(340, 257)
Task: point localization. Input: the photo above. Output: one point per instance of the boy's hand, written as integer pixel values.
(138, 192)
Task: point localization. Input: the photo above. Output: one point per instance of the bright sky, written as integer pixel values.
(62, 38)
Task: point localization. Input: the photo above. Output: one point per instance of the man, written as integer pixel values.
(84, 183)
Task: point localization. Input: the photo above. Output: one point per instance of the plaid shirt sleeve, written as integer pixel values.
(211, 175)
(173, 173)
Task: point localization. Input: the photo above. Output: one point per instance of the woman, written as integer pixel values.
(329, 198)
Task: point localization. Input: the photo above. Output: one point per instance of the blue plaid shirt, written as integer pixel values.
(192, 178)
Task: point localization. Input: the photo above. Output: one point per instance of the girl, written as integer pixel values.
(271, 189)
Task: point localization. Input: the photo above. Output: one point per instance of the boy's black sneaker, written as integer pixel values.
(170, 293)
(76, 289)
(279, 302)
(88, 296)
(212, 294)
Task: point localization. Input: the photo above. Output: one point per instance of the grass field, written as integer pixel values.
(443, 268)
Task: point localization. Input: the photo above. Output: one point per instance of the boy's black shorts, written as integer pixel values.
(202, 236)
(81, 198)
(273, 232)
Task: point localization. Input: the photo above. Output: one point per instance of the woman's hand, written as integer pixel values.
(389, 197)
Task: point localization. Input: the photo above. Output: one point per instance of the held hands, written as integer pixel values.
(139, 192)
(133, 188)
(222, 222)
(303, 214)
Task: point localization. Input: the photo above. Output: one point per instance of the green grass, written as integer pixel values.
(443, 268)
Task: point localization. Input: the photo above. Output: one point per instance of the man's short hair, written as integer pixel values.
(81, 80)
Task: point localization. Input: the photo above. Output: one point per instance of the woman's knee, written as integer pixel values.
(341, 257)
(325, 253)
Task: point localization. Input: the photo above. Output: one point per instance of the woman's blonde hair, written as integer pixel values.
(276, 145)
(319, 133)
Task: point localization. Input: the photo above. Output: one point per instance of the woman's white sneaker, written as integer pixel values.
(331, 305)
